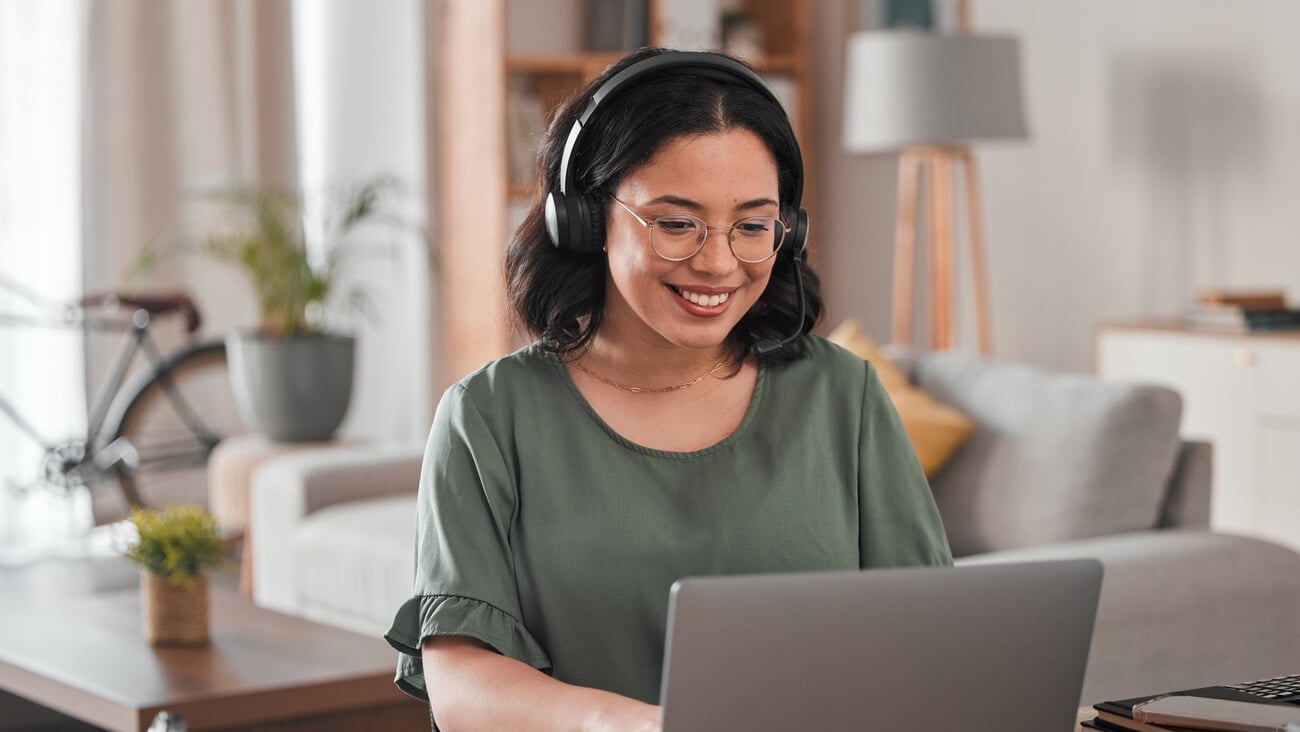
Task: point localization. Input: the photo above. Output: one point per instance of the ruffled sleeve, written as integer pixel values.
(464, 570)
(429, 615)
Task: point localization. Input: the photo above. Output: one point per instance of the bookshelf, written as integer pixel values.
(772, 35)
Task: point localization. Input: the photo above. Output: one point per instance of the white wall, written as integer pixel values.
(361, 112)
(1163, 159)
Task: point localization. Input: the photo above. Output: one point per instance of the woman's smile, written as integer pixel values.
(703, 301)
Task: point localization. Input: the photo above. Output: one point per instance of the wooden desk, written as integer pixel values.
(82, 653)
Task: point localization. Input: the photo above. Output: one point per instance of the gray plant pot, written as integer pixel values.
(293, 389)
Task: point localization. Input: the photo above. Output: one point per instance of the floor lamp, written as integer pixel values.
(927, 96)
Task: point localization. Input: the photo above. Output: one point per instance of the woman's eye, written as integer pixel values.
(754, 227)
(676, 226)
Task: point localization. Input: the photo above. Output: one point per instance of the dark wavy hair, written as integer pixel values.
(558, 296)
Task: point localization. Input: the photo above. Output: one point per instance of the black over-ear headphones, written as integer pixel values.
(575, 223)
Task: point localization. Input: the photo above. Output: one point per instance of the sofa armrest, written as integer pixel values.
(285, 490)
(1181, 609)
(1187, 498)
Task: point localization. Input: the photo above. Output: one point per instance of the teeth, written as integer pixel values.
(706, 301)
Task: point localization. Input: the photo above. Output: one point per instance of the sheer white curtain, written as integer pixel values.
(179, 95)
(360, 77)
(275, 92)
(41, 368)
(109, 111)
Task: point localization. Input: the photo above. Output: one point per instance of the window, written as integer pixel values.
(41, 368)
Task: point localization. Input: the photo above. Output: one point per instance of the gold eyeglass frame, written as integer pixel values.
(704, 236)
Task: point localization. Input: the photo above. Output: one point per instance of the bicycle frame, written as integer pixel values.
(141, 426)
(99, 457)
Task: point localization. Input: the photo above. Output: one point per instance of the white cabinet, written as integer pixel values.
(1240, 392)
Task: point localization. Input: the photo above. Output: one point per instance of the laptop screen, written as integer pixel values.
(993, 646)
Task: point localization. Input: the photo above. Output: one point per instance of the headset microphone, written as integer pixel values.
(771, 345)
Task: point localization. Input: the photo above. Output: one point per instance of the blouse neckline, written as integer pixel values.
(751, 415)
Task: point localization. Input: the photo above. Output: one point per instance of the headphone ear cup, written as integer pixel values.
(595, 226)
(574, 223)
(579, 225)
(798, 236)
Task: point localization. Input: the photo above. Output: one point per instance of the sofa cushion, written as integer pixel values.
(354, 562)
(1054, 456)
(1172, 600)
(936, 430)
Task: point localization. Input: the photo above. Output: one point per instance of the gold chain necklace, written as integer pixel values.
(647, 390)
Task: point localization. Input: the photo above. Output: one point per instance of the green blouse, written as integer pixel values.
(546, 535)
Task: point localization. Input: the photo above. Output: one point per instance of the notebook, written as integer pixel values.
(1282, 691)
(985, 647)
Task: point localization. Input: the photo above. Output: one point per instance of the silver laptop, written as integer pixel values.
(978, 648)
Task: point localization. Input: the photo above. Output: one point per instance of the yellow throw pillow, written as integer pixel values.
(936, 430)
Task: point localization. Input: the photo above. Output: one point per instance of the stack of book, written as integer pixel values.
(1271, 705)
(1243, 312)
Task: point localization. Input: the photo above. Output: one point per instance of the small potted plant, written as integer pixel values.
(174, 547)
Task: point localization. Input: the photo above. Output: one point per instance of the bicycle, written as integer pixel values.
(150, 431)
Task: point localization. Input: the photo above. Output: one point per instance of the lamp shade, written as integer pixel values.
(911, 88)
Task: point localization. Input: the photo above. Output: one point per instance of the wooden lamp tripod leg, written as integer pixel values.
(937, 164)
(941, 249)
(909, 166)
(979, 275)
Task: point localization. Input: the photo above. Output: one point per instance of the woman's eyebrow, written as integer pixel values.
(696, 206)
(676, 201)
(756, 203)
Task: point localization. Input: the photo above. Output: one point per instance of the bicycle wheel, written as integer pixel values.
(172, 416)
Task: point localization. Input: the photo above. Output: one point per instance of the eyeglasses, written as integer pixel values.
(678, 237)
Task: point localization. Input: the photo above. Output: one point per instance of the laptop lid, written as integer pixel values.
(988, 647)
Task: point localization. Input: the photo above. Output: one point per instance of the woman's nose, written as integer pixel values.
(716, 255)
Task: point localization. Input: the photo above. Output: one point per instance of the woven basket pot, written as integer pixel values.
(174, 615)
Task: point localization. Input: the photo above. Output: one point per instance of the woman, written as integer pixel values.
(673, 417)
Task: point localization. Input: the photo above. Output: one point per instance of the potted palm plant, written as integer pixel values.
(292, 375)
(173, 548)
(292, 379)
